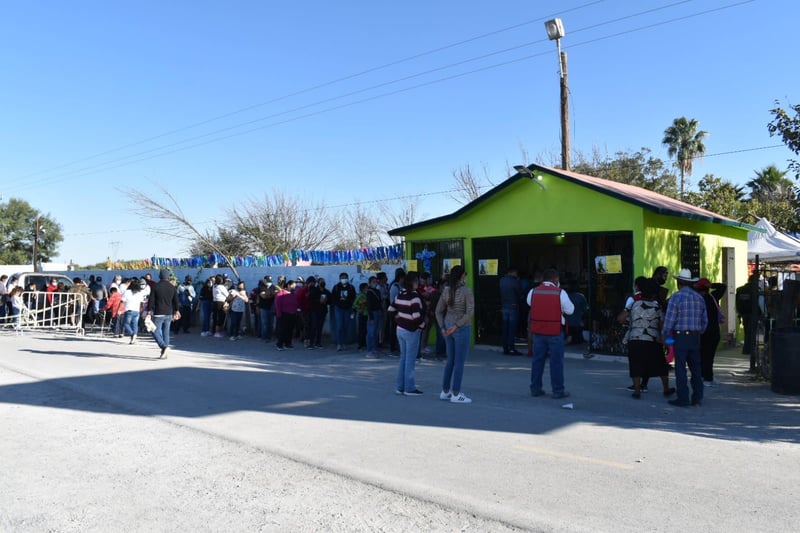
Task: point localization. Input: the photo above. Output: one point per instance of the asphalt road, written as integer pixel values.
(235, 436)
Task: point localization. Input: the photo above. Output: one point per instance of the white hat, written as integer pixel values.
(686, 275)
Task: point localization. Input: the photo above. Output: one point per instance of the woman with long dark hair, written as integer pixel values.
(408, 315)
(645, 351)
(454, 314)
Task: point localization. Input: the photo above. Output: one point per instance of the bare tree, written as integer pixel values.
(397, 214)
(177, 225)
(279, 223)
(358, 228)
(468, 185)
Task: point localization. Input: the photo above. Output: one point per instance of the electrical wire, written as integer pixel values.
(130, 159)
(315, 87)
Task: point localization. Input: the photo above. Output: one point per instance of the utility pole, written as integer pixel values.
(36, 245)
(565, 163)
(555, 31)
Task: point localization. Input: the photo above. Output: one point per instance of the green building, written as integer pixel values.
(599, 234)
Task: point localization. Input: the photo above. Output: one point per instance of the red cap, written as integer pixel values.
(703, 283)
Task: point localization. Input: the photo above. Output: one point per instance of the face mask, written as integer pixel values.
(343, 281)
(54, 284)
(269, 284)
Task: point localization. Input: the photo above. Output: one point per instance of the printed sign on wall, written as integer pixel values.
(608, 264)
(487, 267)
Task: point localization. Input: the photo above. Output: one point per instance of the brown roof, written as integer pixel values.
(652, 201)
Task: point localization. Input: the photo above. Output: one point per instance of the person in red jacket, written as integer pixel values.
(286, 309)
(549, 303)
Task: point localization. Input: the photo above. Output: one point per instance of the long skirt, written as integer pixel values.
(646, 359)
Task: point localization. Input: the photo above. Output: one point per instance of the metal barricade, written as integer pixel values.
(54, 311)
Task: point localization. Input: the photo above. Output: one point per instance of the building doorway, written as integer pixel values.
(574, 256)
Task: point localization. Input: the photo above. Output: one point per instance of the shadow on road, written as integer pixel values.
(332, 385)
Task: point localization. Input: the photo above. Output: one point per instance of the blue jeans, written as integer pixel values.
(687, 350)
(542, 344)
(206, 308)
(373, 327)
(342, 324)
(510, 321)
(409, 347)
(161, 333)
(131, 323)
(457, 347)
(267, 317)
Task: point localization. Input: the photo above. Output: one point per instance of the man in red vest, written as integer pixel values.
(548, 305)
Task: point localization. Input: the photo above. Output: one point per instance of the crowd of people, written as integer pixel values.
(683, 329)
(397, 318)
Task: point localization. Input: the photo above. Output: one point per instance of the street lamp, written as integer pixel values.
(555, 31)
(537, 179)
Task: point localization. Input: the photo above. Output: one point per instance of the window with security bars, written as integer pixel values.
(435, 252)
(690, 253)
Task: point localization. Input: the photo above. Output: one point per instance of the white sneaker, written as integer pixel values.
(460, 399)
(205, 333)
(445, 395)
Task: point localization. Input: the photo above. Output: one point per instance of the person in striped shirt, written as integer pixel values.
(409, 316)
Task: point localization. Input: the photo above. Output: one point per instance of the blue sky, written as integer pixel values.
(84, 78)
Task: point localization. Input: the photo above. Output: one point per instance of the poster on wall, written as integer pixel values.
(411, 265)
(447, 264)
(608, 264)
(487, 267)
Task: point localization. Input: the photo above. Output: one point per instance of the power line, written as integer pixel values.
(127, 160)
(401, 197)
(314, 88)
(739, 151)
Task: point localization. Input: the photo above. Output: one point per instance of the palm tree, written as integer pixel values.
(685, 143)
(769, 184)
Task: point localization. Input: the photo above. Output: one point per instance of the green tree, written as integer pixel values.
(636, 168)
(770, 184)
(18, 221)
(786, 124)
(718, 196)
(684, 143)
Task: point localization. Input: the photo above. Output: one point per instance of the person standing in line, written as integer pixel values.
(266, 307)
(186, 298)
(132, 300)
(391, 330)
(362, 315)
(686, 320)
(343, 296)
(374, 313)
(17, 306)
(645, 350)
(709, 340)
(320, 301)
(163, 306)
(549, 303)
(410, 320)
(5, 298)
(383, 289)
(454, 313)
(286, 309)
(575, 323)
(220, 297)
(239, 303)
(206, 307)
(510, 297)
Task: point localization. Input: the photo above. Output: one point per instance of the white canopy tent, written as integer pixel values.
(771, 245)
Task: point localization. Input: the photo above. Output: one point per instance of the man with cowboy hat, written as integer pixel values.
(685, 321)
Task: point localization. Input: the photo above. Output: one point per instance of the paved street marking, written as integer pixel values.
(582, 458)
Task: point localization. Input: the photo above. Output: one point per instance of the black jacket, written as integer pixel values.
(163, 298)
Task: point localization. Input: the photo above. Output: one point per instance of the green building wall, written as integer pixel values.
(524, 208)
